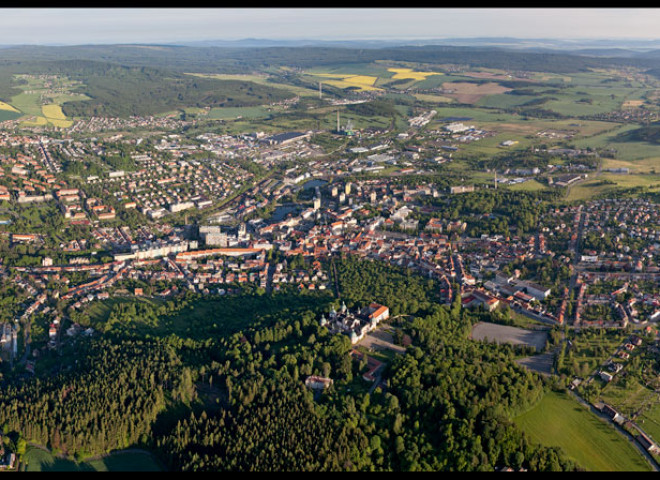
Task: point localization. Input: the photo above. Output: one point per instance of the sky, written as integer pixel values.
(71, 26)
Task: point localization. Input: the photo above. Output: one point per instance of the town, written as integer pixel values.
(420, 260)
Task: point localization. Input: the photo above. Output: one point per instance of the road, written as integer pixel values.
(334, 272)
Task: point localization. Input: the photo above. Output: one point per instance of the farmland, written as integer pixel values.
(387, 134)
(465, 92)
(262, 79)
(359, 82)
(401, 73)
(6, 107)
(41, 100)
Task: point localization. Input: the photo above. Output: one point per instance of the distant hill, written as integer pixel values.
(124, 91)
(148, 79)
(232, 58)
(120, 91)
(649, 133)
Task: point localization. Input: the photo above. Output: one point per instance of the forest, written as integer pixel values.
(243, 59)
(236, 400)
(121, 91)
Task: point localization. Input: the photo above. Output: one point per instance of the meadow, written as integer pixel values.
(609, 183)
(9, 115)
(54, 115)
(260, 80)
(649, 420)
(558, 420)
(39, 460)
(529, 186)
(233, 113)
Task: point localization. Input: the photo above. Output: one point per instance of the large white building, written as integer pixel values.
(458, 127)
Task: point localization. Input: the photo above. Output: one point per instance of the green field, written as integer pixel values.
(558, 420)
(232, 113)
(8, 115)
(600, 185)
(39, 460)
(260, 80)
(529, 186)
(640, 155)
(649, 420)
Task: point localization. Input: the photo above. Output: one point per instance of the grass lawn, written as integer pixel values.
(650, 421)
(529, 186)
(592, 187)
(231, 113)
(9, 115)
(558, 420)
(433, 98)
(645, 165)
(39, 460)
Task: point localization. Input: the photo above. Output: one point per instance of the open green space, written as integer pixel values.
(627, 395)
(649, 419)
(9, 115)
(558, 420)
(641, 155)
(609, 182)
(231, 113)
(43, 99)
(529, 186)
(39, 460)
(260, 80)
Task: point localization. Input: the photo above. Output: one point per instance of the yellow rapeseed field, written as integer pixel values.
(55, 116)
(401, 73)
(363, 82)
(60, 123)
(53, 112)
(6, 106)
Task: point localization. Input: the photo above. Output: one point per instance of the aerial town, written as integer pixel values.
(411, 258)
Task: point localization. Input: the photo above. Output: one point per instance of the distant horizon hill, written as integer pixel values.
(635, 46)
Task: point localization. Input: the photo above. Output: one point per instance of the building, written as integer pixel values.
(535, 290)
(613, 414)
(478, 298)
(457, 127)
(461, 189)
(318, 383)
(355, 324)
(285, 138)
